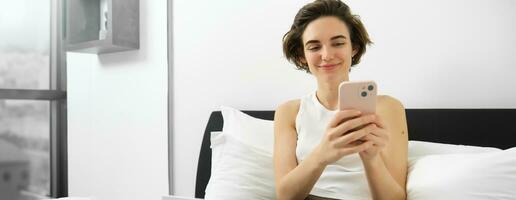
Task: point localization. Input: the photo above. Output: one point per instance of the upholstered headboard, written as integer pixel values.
(479, 127)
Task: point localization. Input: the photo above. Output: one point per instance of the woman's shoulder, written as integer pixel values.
(288, 109)
(389, 106)
(387, 101)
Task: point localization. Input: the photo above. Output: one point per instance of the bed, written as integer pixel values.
(476, 127)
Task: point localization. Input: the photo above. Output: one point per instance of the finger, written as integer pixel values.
(343, 115)
(382, 134)
(379, 139)
(355, 143)
(355, 124)
(379, 121)
(353, 136)
(351, 144)
(379, 132)
(359, 148)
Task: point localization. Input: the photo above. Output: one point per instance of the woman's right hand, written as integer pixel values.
(344, 136)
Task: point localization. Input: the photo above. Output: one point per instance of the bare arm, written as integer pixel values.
(292, 181)
(386, 173)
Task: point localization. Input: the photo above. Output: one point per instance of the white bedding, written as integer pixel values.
(242, 165)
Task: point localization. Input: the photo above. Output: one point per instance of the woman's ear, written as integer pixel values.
(355, 51)
(303, 60)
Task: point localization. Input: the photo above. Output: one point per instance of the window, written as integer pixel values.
(32, 100)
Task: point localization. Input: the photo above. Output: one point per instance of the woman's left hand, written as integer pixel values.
(380, 137)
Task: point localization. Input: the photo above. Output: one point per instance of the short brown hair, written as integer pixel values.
(292, 40)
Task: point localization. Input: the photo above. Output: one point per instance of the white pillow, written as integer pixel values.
(420, 148)
(255, 132)
(489, 175)
(242, 166)
(217, 139)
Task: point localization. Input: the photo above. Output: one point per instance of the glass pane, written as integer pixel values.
(25, 44)
(24, 149)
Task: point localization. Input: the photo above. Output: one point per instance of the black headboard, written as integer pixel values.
(479, 127)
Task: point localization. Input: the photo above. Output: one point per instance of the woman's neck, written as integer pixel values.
(328, 94)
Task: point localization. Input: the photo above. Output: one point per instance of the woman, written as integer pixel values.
(322, 153)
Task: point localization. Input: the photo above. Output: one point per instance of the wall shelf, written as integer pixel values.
(102, 26)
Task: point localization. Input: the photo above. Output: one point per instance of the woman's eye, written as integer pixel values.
(339, 44)
(314, 48)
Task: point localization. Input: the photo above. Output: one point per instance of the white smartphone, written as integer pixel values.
(358, 95)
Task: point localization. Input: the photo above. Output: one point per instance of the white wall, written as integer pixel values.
(117, 117)
(428, 54)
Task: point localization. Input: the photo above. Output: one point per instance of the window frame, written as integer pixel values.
(170, 96)
(56, 95)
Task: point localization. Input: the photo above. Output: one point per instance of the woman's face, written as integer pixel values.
(327, 48)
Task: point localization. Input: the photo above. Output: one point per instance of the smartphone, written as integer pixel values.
(358, 95)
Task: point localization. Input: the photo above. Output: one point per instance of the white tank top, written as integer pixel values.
(344, 179)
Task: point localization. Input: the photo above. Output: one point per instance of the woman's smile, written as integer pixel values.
(329, 67)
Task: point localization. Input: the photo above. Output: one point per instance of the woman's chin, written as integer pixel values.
(333, 78)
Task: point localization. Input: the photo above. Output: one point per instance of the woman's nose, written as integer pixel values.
(326, 54)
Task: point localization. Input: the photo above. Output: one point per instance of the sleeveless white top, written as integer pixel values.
(344, 179)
